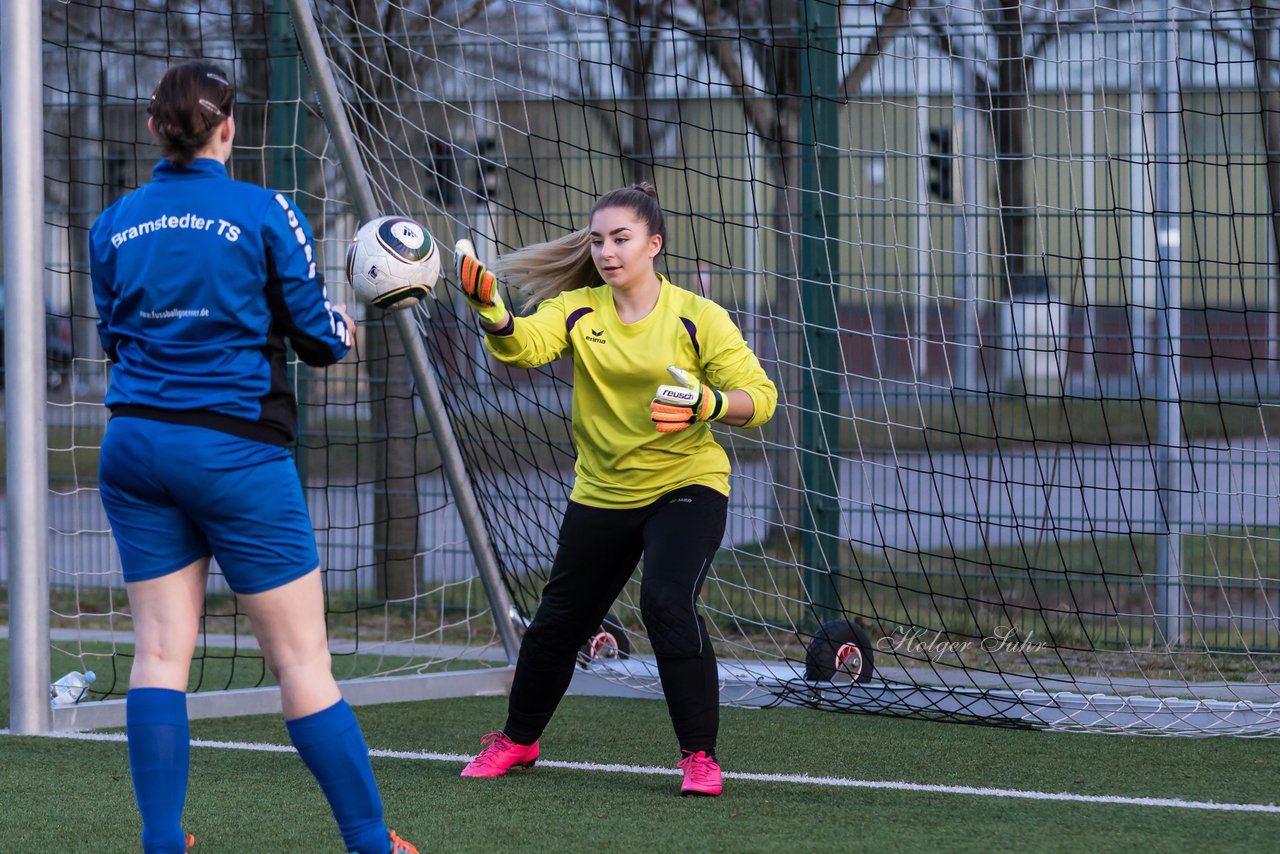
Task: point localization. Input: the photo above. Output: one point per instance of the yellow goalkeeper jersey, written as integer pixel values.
(623, 461)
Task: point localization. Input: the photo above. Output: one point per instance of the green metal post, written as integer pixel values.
(284, 112)
(821, 546)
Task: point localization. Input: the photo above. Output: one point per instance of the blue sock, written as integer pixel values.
(332, 746)
(159, 759)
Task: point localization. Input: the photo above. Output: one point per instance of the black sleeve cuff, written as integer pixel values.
(506, 328)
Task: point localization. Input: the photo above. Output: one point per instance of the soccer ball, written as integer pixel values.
(393, 262)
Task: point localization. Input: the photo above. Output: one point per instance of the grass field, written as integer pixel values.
(256, 799)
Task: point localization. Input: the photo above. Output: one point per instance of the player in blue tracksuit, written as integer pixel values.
(199, 282)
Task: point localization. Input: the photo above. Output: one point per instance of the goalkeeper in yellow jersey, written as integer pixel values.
(653, 366)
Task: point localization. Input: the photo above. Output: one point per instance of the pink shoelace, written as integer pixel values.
(494, 743)
(699, 766)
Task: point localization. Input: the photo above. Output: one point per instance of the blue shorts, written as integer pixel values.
(175, 493)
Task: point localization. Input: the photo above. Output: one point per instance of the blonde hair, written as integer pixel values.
(544, 270)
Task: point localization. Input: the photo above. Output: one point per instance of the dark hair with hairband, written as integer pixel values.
(189, 103)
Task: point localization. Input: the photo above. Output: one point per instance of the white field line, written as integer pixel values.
(801, 779)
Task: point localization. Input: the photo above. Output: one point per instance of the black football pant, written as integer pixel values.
(598, 551)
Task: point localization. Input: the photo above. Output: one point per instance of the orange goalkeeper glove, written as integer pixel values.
(479, 286)
(675, 407)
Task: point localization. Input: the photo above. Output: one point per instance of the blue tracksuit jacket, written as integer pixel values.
(198, 281)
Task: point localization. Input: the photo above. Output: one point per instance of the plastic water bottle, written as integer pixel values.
(68, 690)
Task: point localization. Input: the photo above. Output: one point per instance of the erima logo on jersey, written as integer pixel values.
(596, 336)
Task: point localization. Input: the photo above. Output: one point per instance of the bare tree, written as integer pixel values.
(633, 27)
(997, 70)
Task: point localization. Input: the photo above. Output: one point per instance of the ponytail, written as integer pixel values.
(543, 270)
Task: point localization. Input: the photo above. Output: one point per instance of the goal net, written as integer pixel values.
(403, 598)
(1013, 271)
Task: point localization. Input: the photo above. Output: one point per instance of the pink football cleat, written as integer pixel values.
(500, 755)
(701, 775)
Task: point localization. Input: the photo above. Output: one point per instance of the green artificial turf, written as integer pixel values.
(250, 801)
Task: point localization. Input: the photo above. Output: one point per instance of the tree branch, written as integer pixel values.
(895, 20)
(760, 111)
(469, 15)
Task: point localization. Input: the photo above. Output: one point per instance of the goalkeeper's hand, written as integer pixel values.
(675, 407)
(478, 285)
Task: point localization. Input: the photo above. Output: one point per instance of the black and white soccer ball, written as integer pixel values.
(393, 262)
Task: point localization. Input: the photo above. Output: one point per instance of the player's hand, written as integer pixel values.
(676, 407)
(479, 286)
(341, 311)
